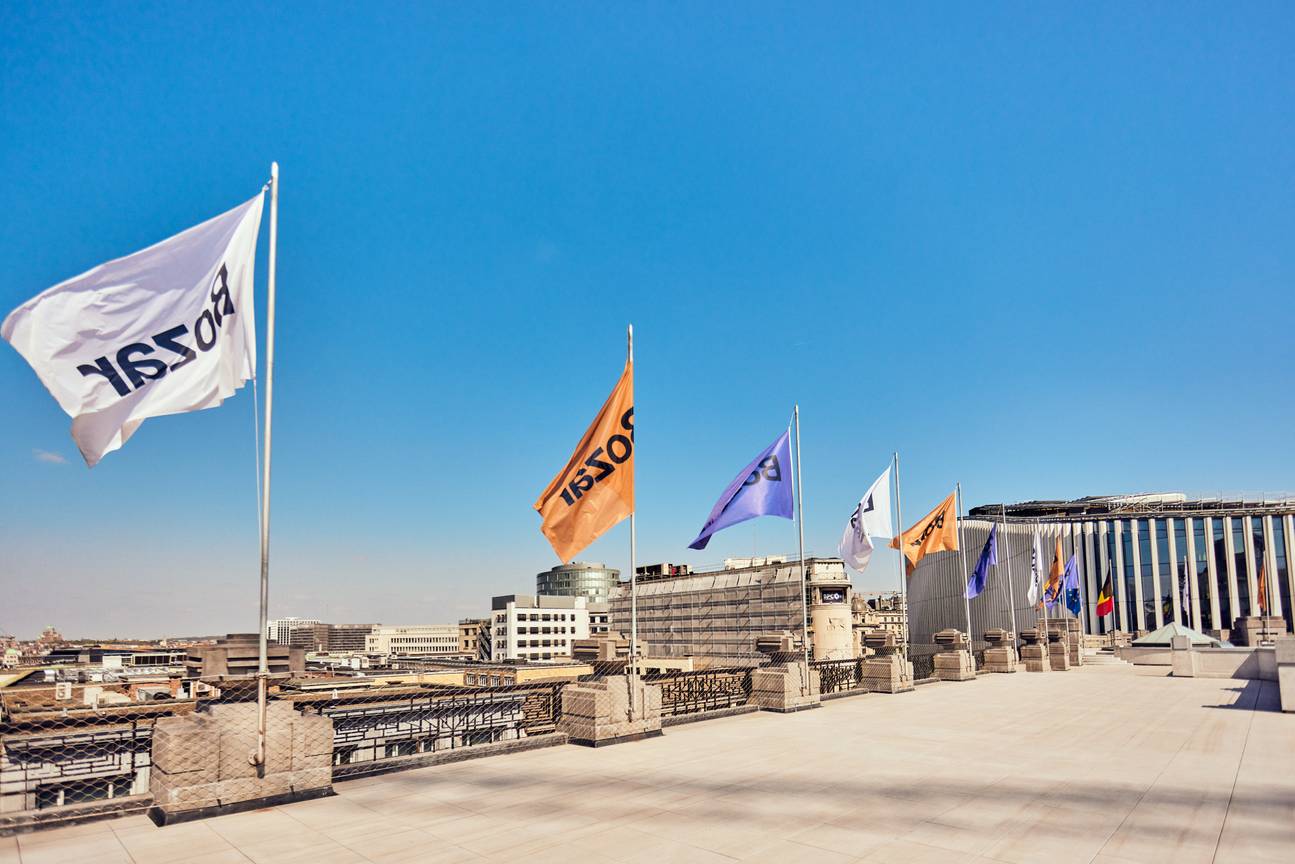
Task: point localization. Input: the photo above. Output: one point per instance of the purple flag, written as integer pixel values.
(762, 489)
(988, 558)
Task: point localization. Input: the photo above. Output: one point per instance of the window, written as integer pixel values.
(1240, 524)
(1201, 572)
(1166, 578)
(1221, 574)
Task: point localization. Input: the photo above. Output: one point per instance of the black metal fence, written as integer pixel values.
(706, 690)
(68, 747)
(836, 676)
(391, 724)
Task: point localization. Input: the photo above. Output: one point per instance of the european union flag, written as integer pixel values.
(988, 557)
(1072, 587)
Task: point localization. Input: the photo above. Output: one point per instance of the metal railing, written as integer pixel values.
(371, 727)
(836, 676)
(923, 665)
(707, 690)
(70, 747)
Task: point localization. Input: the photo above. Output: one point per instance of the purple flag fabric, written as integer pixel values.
(988, 558)
(762, 489)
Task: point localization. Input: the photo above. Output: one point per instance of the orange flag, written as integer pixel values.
(1052, 590)
(937, 531)
(595, 489)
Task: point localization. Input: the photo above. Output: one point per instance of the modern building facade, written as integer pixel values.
(342, 638)
(305, 633)
(417, 640)
(1197, 562)
(578, 579)
(526, 627)
(719, 614)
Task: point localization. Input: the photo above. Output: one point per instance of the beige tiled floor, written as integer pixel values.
(1097, 765)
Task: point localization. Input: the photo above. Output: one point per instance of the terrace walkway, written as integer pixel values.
(1099, 764)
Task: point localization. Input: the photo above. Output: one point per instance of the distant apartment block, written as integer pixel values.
(304, 633)
(527, 627)
(343, 638)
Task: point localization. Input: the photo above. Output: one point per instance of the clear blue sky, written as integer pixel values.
(1044, 251)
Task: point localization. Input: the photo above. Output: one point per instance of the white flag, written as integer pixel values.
(871, 518)
(163, 331)
(1036, 570)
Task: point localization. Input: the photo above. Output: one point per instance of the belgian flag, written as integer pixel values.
(1105, 599)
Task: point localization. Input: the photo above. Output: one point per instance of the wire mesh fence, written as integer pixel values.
(71, 749)
(66, 748)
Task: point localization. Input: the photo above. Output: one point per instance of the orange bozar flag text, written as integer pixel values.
(937, 531)
(595, 489)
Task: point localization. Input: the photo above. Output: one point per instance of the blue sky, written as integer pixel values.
(1043, 251)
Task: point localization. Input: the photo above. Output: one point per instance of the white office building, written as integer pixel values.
(295, 632)
(527, 627)
(417, 640)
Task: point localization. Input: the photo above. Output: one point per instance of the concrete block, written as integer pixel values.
(1059, 657)
(312, 741)
(210, 773)
(1035, 658)
(183, 744)
(954, 666)
(312, 778)
(1285, 658)
(187, 797)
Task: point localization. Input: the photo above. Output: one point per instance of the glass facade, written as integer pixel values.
(1116, 582)
(1183, 567)
(1149, 602)
(1239, 565)
(1283, 569)
(1127, 589)
(1200, 558)
(1201, 583)
(1160, 562)
(1221, 568)
(578, 579)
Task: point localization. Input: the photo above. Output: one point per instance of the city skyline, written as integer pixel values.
(1039, 297)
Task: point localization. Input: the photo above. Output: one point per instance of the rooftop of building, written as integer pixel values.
(543, 601)
(735, 572)
(580, 565)
(1141, 504)
(1100, 764)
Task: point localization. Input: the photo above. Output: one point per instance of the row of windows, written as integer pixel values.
(547, 643)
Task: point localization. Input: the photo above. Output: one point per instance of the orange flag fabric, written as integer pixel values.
(595, 489)
(937, 531)
(1052, 591)
(1263, 589)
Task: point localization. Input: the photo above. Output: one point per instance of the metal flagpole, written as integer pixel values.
(800, 530)
(634, 600)
(962, 549)
(263, 669)
(1011, 594)
(899, 534)
(1037, 552)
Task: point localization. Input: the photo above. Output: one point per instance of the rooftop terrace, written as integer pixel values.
(1096, 765)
